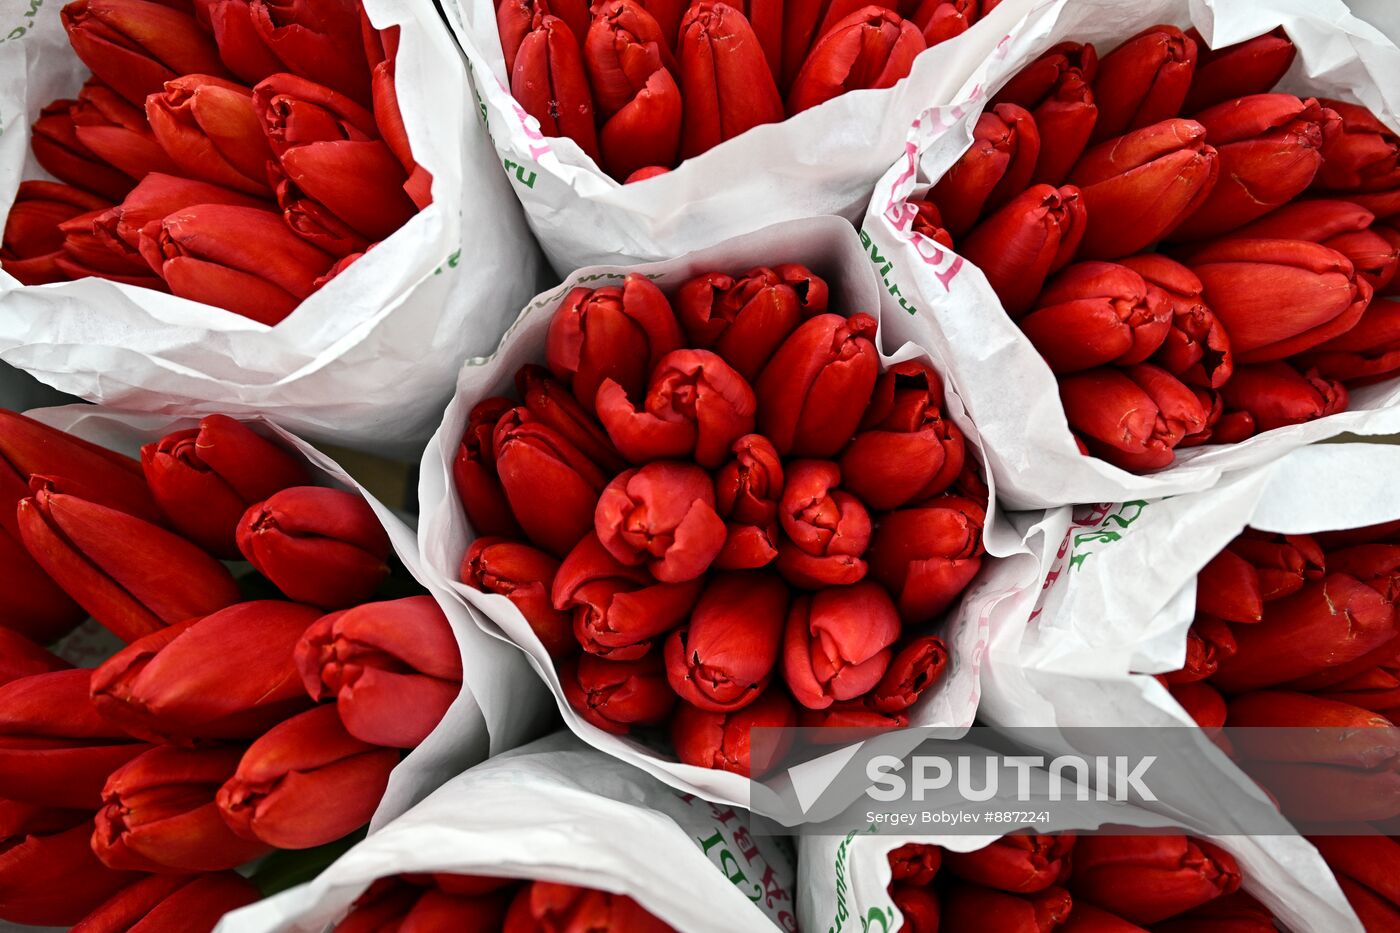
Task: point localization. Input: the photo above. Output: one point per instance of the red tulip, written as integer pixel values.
(20, 657)
(320, 546)
(55, 749)
(550, 402)
(725, 80)
(1019, 864)
(1139, 186)
(815, 389)
(158, 813)
(928, 223)
(1374, 912)
(549, 82)
(828, 529)
(48, 874)
(193, 903)
(1133, 417)
(525, 576)
(611, 333)
(617, 695)
(1086, 918)
(1143, 81)
(1034, 234)
(294, 111)
(1339, 225)
(618, 608)
(723, 659)
(228, 675)
(1202, 702)
(542, 907)
(342, 195)
(1276, 394)
(631, 71)
(1146, 879)
(1005, 146)
(1269, 147)
(837, 643)
(205, 478)
(241, 49)
(115, 131)
(696, 407)
(135, 46)
(1057, 89)
(1233, 913)
(725, 740)
(906, 450)
(87, 251)
(1285, 563)
(131, 576)
(1365, 863)
(389, 118)
(1376, 689)
(968, 907)
(1197, 349)
(153, 199)
(317, 39)
(306, 782)
(745, 319)
(1250, 67)
(1228, 587)
(60, 152)
(926, 555)
(210, 130)
(941, 20)
(847, 721)
(747, 489)
(401, 905)
(915, 667)
(242, 259)
(474, 473)
(1364, 156)
(392, 667)
(871, 48)
(1367, 352)
(1094, 313)
(1209, 643)
(915, 862)
(918, 907)
(806, 23)
(661, 515)
(515, 19)
(32, 241)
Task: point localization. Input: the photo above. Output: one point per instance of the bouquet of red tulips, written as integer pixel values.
(1195, 256)
(591, 844)
(236, 716)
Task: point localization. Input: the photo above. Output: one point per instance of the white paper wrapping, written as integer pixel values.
(366, 361)
(500, 705)
(822, 161)
(1003, 590)
(559, 811)
(952, 310)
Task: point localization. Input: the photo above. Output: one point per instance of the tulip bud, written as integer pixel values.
(696, 406)
(228, 675)
(241, 49)
(60, 152)
(725, 740)
(814, 390)
(918, 907)
(611, 333)
(1005, 146)
(662, 515)
(941, 20)
(115, 131)
(1376, 689)
(1019, 864)
(907, 450)
(1364, 155)
(631, 70)
(320, 546)
(204, 479)
(1364, 354)
(48, 874)
(549, 82)
(293, 111)
(746, 319)
(1338, 225)
(1143, 81)
(915, 863)
(392, 667)
(847, 721)
(153, 199)
(242, 259)
(135, 46)
(1228, 587)
(1196, 349)
(550, 402)
(746, 496)
(617, 695)
(1133, 417)
(389, 118)
(542, 907)
(1209, 642)
(1250, 67)
(32, 240)
(722, 660)
(1376, 565)
(1057, 89)
(87, 251)
(317, 39)
(474, 473)
(618, 608)
(1233, 913)
(1368, 861)
(725, 80)
(1145, 879)
(131, 576)
(55, 749)
(1285, 563)
(928, 223)
(827, 529)
(159, 902)
(158, 813)
(525, 576)
(871, 48)
(927, 555)
(20, 657)
(210, 130)
(342, 195)
(1202, 702)
(1138, 187)
(1269, 148)
(968, 907)
(916, 666)
(837, 643)
(1276, 394)
(306, 782)
(515, 19)
(1035, 234)
(1094, 313)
